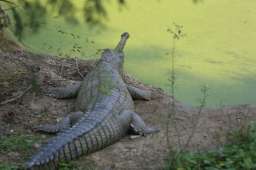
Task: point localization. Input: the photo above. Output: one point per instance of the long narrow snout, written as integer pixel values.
(122, 42)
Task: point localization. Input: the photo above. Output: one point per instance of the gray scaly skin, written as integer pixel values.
(104, 113)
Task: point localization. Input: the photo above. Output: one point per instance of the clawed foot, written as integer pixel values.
(50, 129)
(57, 93)
(134, 136)
(69, 91)
(45, 128)
(150, 130)
(51, 92)
(145, 131)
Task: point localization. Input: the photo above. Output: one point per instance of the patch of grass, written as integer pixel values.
(74, 166)
(66, 166)
(8, 167)
(240, 154)
(17, 143)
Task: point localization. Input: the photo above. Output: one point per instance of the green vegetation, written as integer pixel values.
(20, 144)
(74, 166)
(36, 12)
(66, 166)
(238, 155)
(17, 143)
(8, 167)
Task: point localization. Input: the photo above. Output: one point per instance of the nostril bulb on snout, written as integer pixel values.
(125, 34)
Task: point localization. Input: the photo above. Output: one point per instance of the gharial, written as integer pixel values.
(104, 113)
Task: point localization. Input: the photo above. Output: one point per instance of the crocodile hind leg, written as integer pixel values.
(139, 94)
(139, 126)
(69, 91)
(64, 124)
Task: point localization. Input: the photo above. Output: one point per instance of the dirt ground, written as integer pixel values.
(36, 73)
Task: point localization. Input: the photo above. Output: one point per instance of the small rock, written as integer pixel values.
(13, 154)
(36, 145)
(134, 137)
(43, 136)
(5, 84)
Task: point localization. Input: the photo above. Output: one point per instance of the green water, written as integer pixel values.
(218, 50)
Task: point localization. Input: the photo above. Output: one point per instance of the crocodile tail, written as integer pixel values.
(85, 137)
(63, 147)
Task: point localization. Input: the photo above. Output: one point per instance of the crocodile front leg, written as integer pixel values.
(64, 124)
(139, 94)
(69, 91)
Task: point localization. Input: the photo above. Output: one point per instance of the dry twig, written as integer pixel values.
(78, 70)
(16, 97)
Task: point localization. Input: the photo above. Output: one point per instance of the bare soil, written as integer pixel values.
(21, 70)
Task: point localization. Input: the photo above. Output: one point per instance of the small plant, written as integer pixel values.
(202, 104)
(35, 84)
(177, 153)
(239, 154)
(176, 33)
